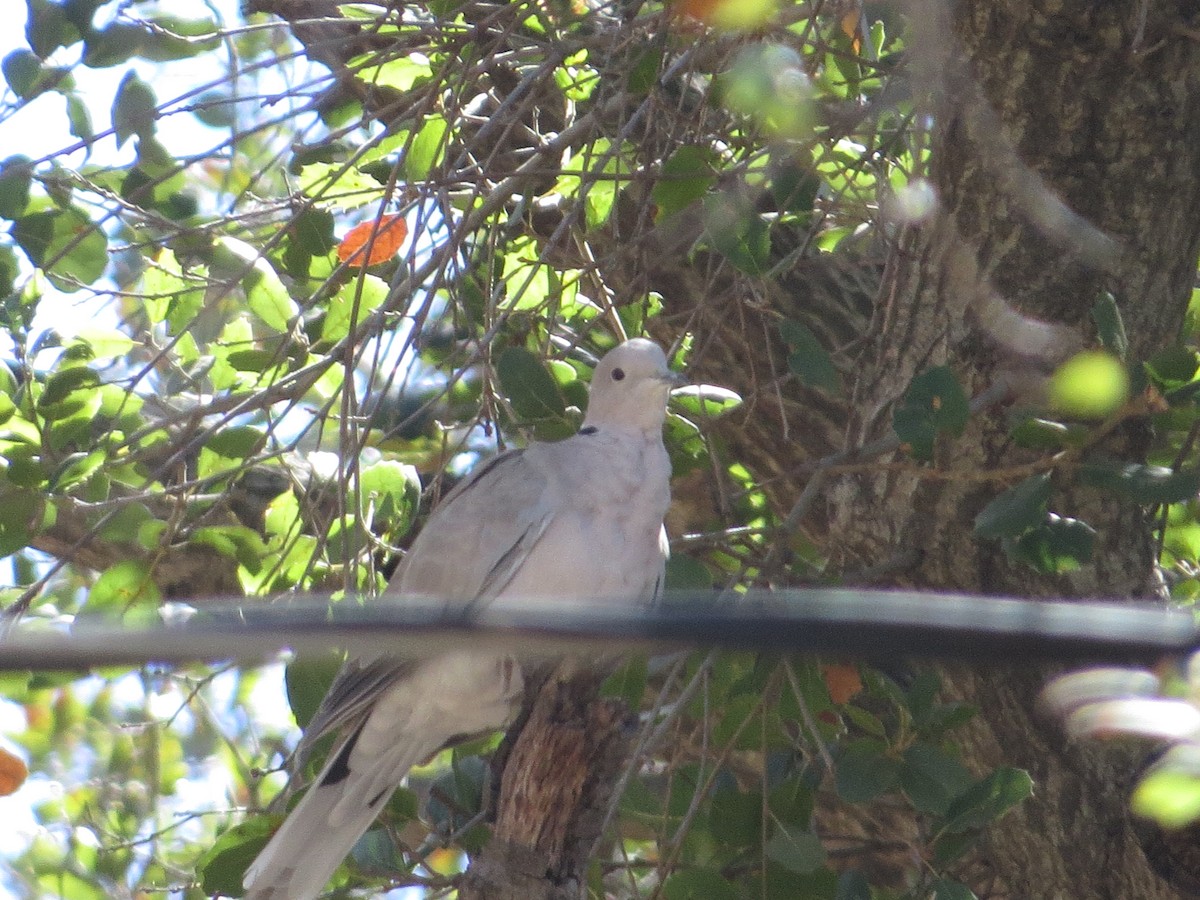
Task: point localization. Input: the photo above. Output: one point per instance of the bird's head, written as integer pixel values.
(630, 386)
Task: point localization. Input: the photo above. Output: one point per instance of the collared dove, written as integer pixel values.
(572, 520)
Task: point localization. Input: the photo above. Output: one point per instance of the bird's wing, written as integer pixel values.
(395, 713)
(498, 513)
(481, 533)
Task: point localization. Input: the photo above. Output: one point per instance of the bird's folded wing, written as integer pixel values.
(482, 533)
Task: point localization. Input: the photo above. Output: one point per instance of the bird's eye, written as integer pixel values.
(618, 374)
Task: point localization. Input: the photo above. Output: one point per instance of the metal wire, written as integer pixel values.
(848, 623)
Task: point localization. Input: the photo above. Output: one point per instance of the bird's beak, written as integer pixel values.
(676, 379)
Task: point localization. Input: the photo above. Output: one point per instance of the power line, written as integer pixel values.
(852, 623)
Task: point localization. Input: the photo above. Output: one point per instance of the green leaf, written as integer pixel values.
(697, 884)
(529, 386)
(988, 800)
(1172, 368)
(1110, 326)
(735, 230)
(51, 25)
(21, 513)
(1142, 483)
(234, 541)
(736, 817)
(28, 76)
(123, 585)
(931, 778)
(705, 400)
(628, 683)
(77, 468)
(1055, 546)
(1169, 796)
(853, 885)
(943, 889)
(934, 402)
(65, 243)
(394, 490)
(427, 149)
(266, 294)
(809, 359)
(237, 442)
(104, 343)
(16, 176)
(353, 303)
(307, 680)
(1090, 385)
(687, 574)
(113, 45)
(135, 109)
(798, 850)
(223, 866)
(1043, 434)
(1021, 507)
(399, 74)
(864, 771)
(686, 176)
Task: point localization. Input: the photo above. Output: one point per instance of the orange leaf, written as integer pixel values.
(852, 28)
(842, 681)
(384, 236)
(13, 773)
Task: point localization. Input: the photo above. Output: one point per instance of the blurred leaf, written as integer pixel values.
(1018, 508)
(223, 866)
(686, 176)
(16, 176)
(135, 109)
(529, 386)
(736, 231)
(13, 772)
(28, 76)
(1110, 326)
(989, 799)
(795, 849)
(865, 770)
(427, 149)
(705, 400)
(932, 778)
(951, 890)
(1172, 368)
(1142, 483)
(1055, 546)
(354, 302)
(809, 359)
(935, 402)
(307, 681)
(697, 884)
(1090, 385)
(1169, 796)
(394, 490)
(122, 585)
(65, 243)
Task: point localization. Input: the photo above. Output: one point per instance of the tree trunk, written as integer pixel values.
(1045, 112)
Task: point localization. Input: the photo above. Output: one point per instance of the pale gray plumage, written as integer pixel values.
(579, 519)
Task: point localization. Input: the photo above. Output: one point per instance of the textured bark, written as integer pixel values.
(1046, 110)
(558, 770)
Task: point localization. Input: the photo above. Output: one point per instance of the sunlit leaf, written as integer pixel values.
(1090, 385)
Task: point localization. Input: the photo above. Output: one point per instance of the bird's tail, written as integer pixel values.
(303, 854)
